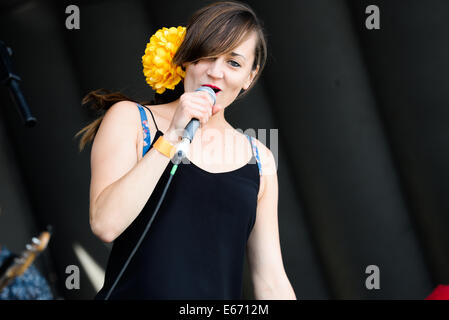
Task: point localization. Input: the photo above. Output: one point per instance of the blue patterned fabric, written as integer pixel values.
(146, 130)
(29, 286)
(255, 152)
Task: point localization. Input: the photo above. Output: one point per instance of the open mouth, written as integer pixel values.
(216, 89)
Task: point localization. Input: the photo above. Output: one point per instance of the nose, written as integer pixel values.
(215, 69)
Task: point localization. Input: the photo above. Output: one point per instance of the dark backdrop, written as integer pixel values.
(363, 133)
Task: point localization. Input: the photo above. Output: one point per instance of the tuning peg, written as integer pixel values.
(29, 247)
(35, 240)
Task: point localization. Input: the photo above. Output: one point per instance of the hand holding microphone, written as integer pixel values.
(194, 108)
(193, 105)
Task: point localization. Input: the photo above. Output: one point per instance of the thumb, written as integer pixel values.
(215, 109)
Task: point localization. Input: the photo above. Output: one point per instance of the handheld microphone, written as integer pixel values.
(189, 131)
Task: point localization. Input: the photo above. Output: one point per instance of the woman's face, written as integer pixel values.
(229, 72)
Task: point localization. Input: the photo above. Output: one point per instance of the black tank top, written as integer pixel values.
(196, 244)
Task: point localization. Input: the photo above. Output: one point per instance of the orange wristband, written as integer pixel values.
(164, 147)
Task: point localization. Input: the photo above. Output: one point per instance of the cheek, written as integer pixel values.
(192, 74)
(238, 82)
(232, 93)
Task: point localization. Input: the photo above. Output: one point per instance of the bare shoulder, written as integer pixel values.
(119, 123)
(113, 149)
(126, 111)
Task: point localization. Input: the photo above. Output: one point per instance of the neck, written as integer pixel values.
(217, 122)
(216, 132)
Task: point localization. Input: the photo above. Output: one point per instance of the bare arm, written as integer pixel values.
(120, 185)
(270, 281)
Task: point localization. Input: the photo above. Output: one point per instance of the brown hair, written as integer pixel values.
(218, 29)
(213, 30)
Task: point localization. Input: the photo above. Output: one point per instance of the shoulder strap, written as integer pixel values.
(255, 152)
(146, 130)
(152, 117)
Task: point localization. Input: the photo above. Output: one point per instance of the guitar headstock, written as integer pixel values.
(27, 257)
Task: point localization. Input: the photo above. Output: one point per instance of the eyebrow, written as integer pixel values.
(234, 54)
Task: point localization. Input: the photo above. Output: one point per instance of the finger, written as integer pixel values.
(203, 112)
(198, 107)
(215, 109)
(199, 115)
(206, 96)
(193, 98)
(204, 99)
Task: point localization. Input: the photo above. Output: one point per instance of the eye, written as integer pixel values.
(234, 64)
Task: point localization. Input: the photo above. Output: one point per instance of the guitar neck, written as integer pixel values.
(15, 266)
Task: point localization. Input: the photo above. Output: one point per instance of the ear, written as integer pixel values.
(250, 78)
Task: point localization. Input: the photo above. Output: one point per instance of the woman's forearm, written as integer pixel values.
(120, 203)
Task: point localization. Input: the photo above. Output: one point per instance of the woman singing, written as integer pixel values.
(221, 202)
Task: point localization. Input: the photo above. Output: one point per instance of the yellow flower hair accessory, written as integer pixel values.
(159, 71)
